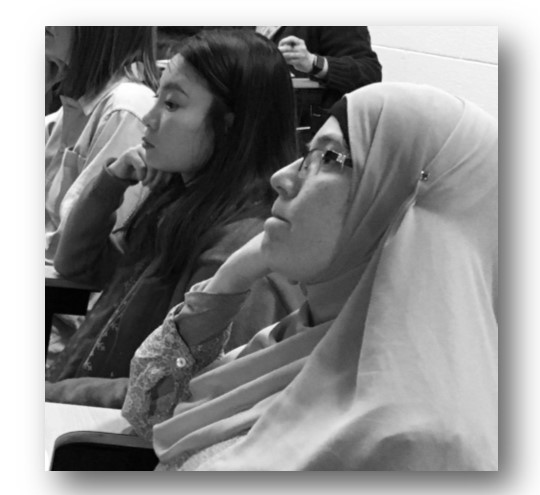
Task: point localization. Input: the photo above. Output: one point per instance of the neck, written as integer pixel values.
(326, 298)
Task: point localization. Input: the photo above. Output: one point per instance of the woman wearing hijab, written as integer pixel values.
(389, 223)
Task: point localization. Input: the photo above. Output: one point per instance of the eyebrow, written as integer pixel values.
(173, 86)
(328, 139)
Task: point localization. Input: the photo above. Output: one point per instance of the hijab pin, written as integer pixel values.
(424, 175)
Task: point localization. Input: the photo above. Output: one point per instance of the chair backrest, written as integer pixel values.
(98, 451)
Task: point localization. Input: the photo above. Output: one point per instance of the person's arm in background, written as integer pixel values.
(120, 131)
(53, 74)
(50, 121)
(117, 132)
(351, 61)
(89, 251)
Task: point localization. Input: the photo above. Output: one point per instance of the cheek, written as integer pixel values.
(187, 141)
(199, 147)
(319, 236)
(322, 215)
(306, 248)
(205, 139)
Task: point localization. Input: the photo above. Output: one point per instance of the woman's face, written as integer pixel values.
(57, 43)
(301, 236)
(178, 138)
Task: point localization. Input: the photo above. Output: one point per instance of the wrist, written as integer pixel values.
(114, 170)
(318, 65)
(112, 166)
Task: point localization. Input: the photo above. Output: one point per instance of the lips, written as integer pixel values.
(147, 145)
(275, 214)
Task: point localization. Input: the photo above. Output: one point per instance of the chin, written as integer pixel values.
(157, 165)
(150, 160)
(281, 266)
(274, 256)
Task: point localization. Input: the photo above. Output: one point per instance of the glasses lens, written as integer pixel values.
(314, 160)
(310, 164)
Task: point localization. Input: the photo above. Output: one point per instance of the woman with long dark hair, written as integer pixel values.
(222, 124)
(105, 78)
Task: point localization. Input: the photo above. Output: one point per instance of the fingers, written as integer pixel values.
(129, 166)
(139, 167)
(292, 57)
(297, 61)
(298, 50)
(138, 163)
(148, 176)
(295, 53)
(289, 42)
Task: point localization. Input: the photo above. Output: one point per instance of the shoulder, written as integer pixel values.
(412, 439)
(422, 449)
(128, 96)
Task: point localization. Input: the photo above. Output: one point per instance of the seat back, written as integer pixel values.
(97, 451)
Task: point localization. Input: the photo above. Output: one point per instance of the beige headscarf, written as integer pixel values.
(405, 376)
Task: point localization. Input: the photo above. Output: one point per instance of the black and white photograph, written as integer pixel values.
(276, 248)
(287, 248)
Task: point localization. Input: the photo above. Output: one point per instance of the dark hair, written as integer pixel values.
(99, 53)
(170, 38)
(249, 78)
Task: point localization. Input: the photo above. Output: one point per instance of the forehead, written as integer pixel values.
(180, 72)
(329, 135)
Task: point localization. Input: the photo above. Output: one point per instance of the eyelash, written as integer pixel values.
(305, 149)
(169, 105)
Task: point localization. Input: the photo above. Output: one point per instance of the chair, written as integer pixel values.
(63, 297)
(86, 438)
(100, 451)
(310, 116)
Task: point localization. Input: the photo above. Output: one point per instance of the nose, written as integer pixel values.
(285, 181)
(151, 119)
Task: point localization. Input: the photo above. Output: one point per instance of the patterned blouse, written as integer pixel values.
(164, 364)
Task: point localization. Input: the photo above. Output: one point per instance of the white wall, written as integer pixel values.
(460, 59)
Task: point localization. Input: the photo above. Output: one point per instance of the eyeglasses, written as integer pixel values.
(315, 160)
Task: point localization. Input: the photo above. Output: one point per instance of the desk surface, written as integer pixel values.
(65, 418)
(305, 83)
(54, 279)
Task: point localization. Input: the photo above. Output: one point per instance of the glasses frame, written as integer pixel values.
(341, 159)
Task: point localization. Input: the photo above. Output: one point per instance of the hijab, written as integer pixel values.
(403, 376)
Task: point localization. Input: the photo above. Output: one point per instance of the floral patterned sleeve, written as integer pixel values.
(164, 364)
